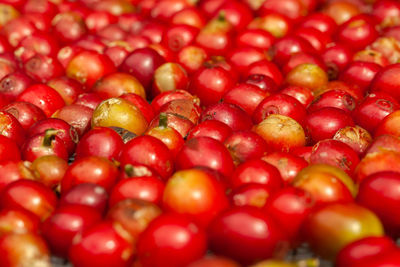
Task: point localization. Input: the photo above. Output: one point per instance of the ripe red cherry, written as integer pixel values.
(267, 68)
(280, 104)
(246, 96)
(78, 116)
(165, 97)
(148, 188)
(43, 144)
(324, 123)
(333, 98)
(11, 128)
(14, 170)
(378, 193)
(245, 234)
(64, 131)
(18, 221)
(336, 58)
(68, 26)
(290, 207)
(373, 109)
(211, 128)
(202, 151)
(251, 194)
(90, 169)
(387, 81)
(210, 84)
(335, 153)
(289, 165)
(255, 37)
(88, 66)
(264, 82)
(101, 245)
(12, 85)
(364, 249)
(149, 151)
(43, 68)
(111, 144)
(196, 193)
(27, 248)
(65, 223)
(142, 64)
(242, 57)
(87, 194)
(246, 145)
(233, 116)
(44, 97)
(319, 21)
(29, 195)
(360, 73)
(162, 242)
(257, 171)
(285, 47)
(357, 32)
(26, 113)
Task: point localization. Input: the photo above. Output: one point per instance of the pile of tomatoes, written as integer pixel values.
(209, 133)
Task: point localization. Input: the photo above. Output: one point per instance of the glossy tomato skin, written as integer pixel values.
(93, 247)
(196, 193)
(150, 151)
(201, 151)
(378, 192)
(245, 234)
(364, 249)
(161, 242)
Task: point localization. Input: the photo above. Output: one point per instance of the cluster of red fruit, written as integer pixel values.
(211, 133)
